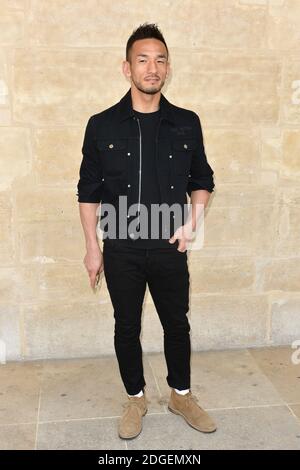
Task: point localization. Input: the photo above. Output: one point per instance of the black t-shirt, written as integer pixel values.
(149, 180)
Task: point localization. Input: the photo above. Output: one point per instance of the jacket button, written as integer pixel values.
(172, 187)
(102, 179)
(128, 153)
(170, 156)
(185, 146)
(111, 146)
(129, 185)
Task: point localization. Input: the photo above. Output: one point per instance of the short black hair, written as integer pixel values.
(145, 31)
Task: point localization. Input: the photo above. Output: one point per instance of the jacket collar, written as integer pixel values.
(126, 110)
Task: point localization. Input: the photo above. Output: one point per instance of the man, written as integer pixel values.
(150, 152)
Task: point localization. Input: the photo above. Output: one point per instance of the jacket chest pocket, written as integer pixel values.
(181, 157)
(114, 155)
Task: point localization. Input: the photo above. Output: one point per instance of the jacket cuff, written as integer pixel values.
(89, 193)
(195, 185)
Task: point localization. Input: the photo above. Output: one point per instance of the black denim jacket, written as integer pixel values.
(112, 155)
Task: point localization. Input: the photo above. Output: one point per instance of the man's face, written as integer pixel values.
(148, 66)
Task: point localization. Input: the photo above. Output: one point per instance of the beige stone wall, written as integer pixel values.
(236, 63)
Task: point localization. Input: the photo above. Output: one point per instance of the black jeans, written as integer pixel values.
(127, 271)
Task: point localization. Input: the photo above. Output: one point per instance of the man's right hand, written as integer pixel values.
(93, 262)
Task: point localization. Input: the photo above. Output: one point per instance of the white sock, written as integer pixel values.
(182, 392)
(140, 394)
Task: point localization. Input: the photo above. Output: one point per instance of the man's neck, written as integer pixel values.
(143, 102)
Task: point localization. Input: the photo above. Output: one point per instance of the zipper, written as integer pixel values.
(140, 171)
(156, 163)
(156, 152)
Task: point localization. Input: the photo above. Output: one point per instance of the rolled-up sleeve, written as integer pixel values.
(201, 173)
(89, 187)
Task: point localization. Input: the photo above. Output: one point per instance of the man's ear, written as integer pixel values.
(168, 70)
(126, 68)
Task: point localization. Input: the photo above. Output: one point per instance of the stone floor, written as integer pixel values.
(253, 394)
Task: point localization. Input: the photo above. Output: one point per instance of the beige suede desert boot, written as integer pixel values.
(130, 424)
(195, 416)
